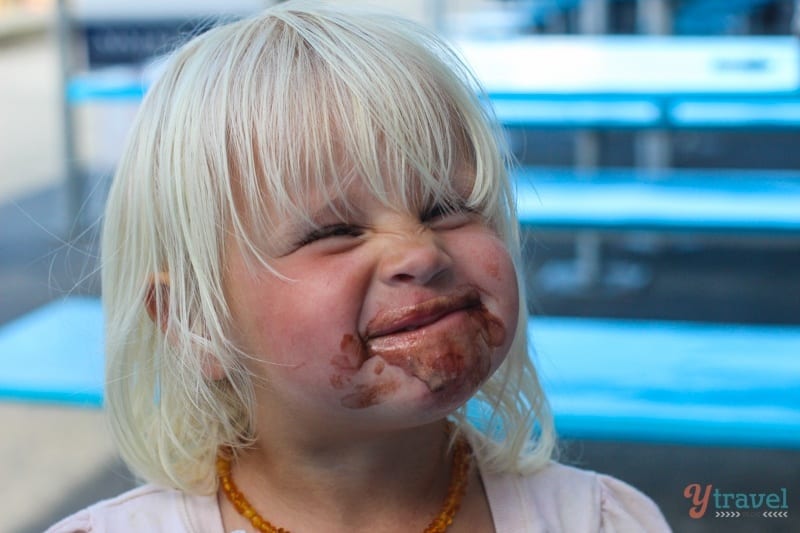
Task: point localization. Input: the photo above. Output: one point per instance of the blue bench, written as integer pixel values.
(640, 82)
(738, 203)
(54, 354)
(674, 382)
(652, 381)
(599, 203)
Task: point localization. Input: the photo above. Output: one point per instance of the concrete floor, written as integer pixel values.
(58, 460)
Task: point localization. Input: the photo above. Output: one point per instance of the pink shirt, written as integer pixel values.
(556, 499)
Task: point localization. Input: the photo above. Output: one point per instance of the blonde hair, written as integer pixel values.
(260, 111)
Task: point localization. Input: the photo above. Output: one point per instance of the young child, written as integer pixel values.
(310, 265)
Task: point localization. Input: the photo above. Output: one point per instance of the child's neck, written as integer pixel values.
(394, 478)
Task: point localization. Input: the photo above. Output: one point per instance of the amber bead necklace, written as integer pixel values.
(462, 456)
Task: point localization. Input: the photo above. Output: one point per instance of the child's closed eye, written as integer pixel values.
(329, 232)
(446, 216)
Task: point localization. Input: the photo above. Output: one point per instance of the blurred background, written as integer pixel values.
(71, 76)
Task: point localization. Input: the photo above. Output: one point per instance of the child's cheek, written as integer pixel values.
(491, 263)
(492, 268)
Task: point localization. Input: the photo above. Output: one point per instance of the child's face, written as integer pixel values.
(387, 315)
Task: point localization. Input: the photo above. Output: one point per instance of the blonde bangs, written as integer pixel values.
(320, 103)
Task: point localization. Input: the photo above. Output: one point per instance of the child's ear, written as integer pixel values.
(156, 303)
(156, 299)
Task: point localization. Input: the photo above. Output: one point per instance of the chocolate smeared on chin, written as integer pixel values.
(367, 395)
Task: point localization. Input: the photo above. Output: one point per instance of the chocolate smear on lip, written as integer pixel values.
(441, 357)
(448, 360)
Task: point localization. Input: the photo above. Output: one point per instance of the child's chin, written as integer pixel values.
(410, 401)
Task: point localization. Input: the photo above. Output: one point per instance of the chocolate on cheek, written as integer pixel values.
(493, 327)
(347, 364)
(352, 357)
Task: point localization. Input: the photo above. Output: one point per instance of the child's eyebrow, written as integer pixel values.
(333, 210)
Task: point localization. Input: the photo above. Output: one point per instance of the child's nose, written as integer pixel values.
(414, 258)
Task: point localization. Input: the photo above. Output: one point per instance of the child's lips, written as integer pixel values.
(447, 341)
(413, 317)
